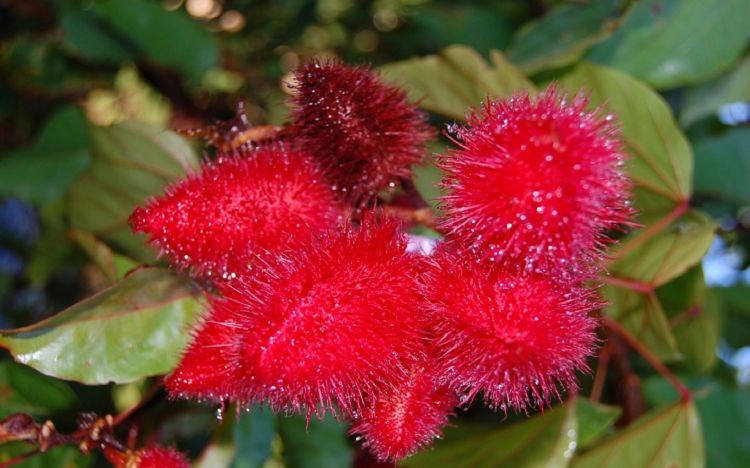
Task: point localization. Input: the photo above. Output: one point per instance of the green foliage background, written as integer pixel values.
(89, 90)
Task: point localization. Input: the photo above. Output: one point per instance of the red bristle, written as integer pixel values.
(516, 339)
(364, 132)
(215, 222)
(406, 417)
(535, 185)
(321, 327)
(149, 457)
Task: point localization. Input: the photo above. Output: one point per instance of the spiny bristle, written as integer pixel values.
(149, 457)
(364, 132)
(215, 222)
(536, 184)
(319, 328)
(406, 417)
(516, 339)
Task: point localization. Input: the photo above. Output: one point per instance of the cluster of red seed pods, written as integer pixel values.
(321, 305)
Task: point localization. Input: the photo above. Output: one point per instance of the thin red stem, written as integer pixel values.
(654, 361)
(626, 283)
(682, 207)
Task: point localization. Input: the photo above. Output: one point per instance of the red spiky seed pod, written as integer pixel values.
(213, 223)
(321, 327)
(364, 132)
(535, 184)
(209, 368)
(516, 339)
(408, 416)
(149, 457)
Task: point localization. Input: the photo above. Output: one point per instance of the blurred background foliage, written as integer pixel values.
(88, 89)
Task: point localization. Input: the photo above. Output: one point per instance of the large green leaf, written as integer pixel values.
(253, 434)
(661, 164)
(114, 30)
(594, 420)
(86, 34)
(315, 444)
(643, 317)
(667, 437)
(722, 166)
(736, 310)
(642, 266)
(42, 173)
(135, 329)
(706, 99)
(694, 316)
(724, 413)
(545, 440)
(132, 161)
(26, 391)
(456, 79)
(671, 43)
(563, 34)
(667, 255)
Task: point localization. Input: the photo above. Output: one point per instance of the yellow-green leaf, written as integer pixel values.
(456, 79)
(670, 437)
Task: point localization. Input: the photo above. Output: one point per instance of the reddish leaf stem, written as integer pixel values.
(630, 284)
(654, 361)
(682, 207)
(601, 372)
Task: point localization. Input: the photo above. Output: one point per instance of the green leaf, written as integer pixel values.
(694, 316)
(661, 164)
(643, 317)
(545, 440)
(132, 161)
(42, 173)
(317, 444)
(667, 255)
(640, 266)
(64, 456)
(594, 419)
(26, 391)
(482, 27)
(253, 434)
(171, 38)
(563, 34)
(724, 413)
(736, 310)
(667, 437)
(706, 99)
(86, 34)
(457, 79)
(722, 166)
(134, 329)
(112, 266)
(671, 43)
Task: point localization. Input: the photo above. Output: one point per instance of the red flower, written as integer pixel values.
(149, 457)
(513, 338)
(325, 325)
(214, 222)
(364, 132)
(535, 184)
(406, 417)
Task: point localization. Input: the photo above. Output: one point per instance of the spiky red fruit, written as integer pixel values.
(513, 338)
(406, 417)
(149, 457)
(213, 223)
(363, 131)
(535, 184)
(322, 326)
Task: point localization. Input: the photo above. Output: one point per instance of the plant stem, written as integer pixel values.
(654, 361)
